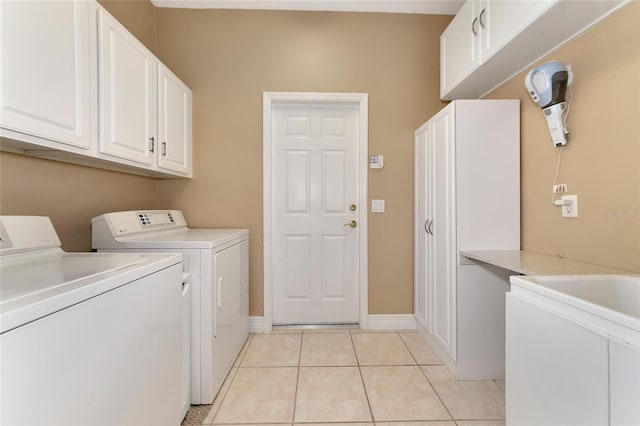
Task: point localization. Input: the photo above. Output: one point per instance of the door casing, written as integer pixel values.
(270, 99)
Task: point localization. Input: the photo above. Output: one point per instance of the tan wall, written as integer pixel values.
(138, 16)
(229, 58)
(71, 195)
(601, 162)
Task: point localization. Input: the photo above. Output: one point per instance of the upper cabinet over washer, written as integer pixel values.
(45, 75)
(174, 122)
(489, 41)
(78, 87)
(127, 93)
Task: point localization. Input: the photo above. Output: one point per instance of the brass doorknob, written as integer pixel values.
(351, 224)
(352, 207)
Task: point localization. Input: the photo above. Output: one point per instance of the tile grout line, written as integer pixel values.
(223, 396)
(241, 355)
(408, 349)
(364, 387)
(437, 394)
(295, 393)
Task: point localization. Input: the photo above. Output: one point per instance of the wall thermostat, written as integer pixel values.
(376, 161)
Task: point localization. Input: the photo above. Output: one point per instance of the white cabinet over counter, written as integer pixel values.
(78, 87)
(489, 41)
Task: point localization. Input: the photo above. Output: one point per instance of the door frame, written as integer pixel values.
(269, 101)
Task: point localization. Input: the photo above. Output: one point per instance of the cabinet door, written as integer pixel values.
(127, 93)
(624, 368)
(45, 70)
(420, 226)
(556, 370)
(174, 122)
(442, 229)
(501, 21)
(459, 47)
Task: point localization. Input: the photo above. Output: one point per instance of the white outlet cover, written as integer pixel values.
(570, 209)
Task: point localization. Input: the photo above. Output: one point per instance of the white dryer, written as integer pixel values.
(86, 338)
(217, 261)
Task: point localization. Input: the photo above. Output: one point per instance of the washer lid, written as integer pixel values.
(182, 238)
(37, 284)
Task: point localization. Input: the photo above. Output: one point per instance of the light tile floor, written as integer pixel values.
(347, 376)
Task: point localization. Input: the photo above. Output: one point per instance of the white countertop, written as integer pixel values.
(528, 263)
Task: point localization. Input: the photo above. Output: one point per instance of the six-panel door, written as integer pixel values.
(315, 249)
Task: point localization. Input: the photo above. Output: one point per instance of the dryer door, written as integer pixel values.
(228, 277)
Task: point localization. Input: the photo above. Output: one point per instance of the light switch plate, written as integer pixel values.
(377, 206)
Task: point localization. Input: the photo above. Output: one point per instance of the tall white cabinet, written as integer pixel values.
(467, 197)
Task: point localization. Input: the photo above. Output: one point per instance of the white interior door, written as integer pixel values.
(315, 253)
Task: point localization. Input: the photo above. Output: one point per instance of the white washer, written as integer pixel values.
(217, 261)
(86, 338)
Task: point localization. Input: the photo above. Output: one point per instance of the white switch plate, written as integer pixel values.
(377, 206)
(571, 209)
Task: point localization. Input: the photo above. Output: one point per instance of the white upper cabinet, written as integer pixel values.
(45, 70)
(127, 94)
(76, 86)
(489, 41)
(459, 47)
(501, 21)
(174, 122)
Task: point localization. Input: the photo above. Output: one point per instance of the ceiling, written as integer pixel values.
(436, 7)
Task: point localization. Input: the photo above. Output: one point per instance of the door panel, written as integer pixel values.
(174, 126)
(504, 19)
(45, 70)
(420, 228)
(460, 53)
(127, 93)
(315, 179)
(442, 228)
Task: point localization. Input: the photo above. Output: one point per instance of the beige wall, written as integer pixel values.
(229, 58)
(601, 162)
(138, 16)
(71, 195)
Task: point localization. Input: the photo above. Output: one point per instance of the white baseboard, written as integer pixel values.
(256, 324)
(376, 322)
(392, 322)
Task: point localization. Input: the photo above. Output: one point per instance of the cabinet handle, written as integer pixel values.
(164, 149)
(474, 28)
(482, 14)
(427, 226)
(153, 144)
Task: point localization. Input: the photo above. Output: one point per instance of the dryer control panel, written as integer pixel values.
(155, 218)
(119, 224)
